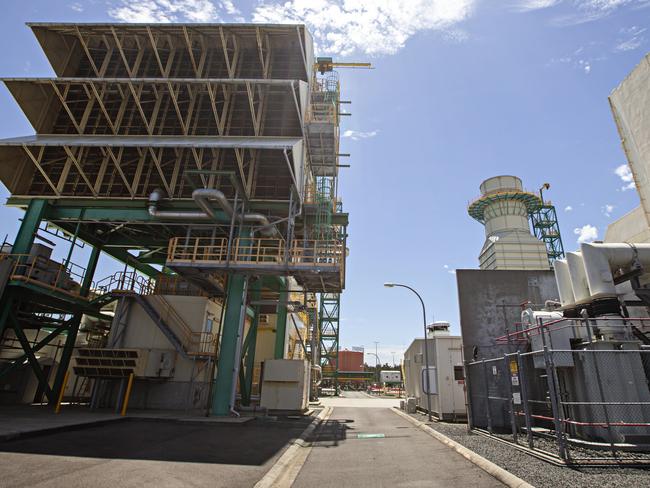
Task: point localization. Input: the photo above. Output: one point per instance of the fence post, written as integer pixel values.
(511, 401)
(553, 393)
(468, 396)
(487, 396)
(523, 389)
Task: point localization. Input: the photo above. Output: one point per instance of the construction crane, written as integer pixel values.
(323, 65)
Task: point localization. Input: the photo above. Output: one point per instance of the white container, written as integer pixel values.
(285, 385)
(446, 376)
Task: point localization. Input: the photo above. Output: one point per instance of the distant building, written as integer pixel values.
(350, 360)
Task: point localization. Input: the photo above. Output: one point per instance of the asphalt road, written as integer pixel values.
(139, 453)
(373, 447)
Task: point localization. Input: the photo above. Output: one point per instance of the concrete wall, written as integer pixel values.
(188, 386)
(490, 306)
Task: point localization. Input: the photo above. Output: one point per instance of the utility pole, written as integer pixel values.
(377, 360)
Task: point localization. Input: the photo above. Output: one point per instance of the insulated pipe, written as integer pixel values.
(600, 259)
(578, 277)
(157, 195)
(203, 196)
(563, 280)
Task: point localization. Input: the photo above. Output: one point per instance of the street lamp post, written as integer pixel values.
(426, 343)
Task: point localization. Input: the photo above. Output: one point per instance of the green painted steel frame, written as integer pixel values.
(547, 229)
(328, 329)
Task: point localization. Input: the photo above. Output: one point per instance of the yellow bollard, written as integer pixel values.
(57, 409)
(127, 395)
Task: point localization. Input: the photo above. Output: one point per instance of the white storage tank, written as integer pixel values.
(446, 376)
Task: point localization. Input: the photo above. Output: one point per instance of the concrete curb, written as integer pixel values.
(286, 468)
(59, 428)
(489, 467)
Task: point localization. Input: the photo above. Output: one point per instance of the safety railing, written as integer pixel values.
(195, 343)
(126, 281)
(45, 272)
(260, 251)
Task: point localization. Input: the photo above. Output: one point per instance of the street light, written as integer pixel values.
(426, 343)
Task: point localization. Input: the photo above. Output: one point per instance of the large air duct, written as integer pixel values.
(601, 259)
(578, 277)
(563, 280)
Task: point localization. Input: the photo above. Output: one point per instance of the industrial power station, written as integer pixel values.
(205, 158)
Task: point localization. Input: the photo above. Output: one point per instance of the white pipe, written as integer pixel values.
(563, 280)
(578, 277)
(202, 198)
(600, 259)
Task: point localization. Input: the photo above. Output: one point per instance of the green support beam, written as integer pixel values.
(235, 300)
(32, 219)
(281, 325)
(248, 352)
(22, 245)
(73, 330)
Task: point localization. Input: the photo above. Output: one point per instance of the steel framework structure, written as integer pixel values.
(138, 110)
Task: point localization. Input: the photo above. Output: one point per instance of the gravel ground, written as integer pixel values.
(537, 472)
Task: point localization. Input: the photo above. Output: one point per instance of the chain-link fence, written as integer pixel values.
(584, 406)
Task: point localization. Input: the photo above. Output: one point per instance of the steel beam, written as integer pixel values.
(235, 301)
(281, 323)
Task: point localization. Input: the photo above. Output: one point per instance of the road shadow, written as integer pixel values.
(251, 443)
(330, 433)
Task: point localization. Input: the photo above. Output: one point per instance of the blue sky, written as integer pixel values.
(462, 90)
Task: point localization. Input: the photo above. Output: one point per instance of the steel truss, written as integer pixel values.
(328, 331)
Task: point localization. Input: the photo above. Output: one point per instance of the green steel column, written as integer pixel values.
(31, 221)
(73, 329)
(251, 340)
(228, 348)
(22, 245)
(281, 324)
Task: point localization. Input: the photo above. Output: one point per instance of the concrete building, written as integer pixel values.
(630, 104)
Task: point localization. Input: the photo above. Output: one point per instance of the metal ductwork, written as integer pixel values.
(202, 197)
(601, 259)
(578, 277)
(563, 280)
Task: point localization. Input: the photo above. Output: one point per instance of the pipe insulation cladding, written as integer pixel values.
(578, 276)
(563, 280)
(590, 271)
(202, 197)
(601, 259)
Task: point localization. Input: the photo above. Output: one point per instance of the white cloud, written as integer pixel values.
(625, 174)
(607, 210)
(568, 208)
(631, 38)
(170, 10)
(77, 7)
(590, 10)
(356, 135)
(371, 27)
(586, 233)
(450, 271)
(527, 5)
